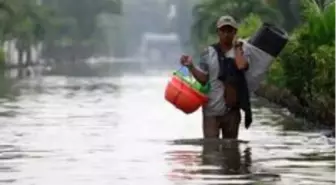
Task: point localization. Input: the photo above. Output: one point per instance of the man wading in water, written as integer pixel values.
(223, 65)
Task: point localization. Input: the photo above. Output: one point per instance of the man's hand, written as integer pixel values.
(186, 60)
(240, 60)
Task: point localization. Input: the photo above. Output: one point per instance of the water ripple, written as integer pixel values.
(119, 130)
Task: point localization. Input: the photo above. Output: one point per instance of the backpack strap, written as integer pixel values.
(217, 48)
(222, 62)
(220, 56)
(219, 52)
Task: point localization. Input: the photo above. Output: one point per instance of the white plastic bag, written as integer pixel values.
(260, 62)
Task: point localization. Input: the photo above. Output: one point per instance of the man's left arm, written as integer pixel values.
(241, 57)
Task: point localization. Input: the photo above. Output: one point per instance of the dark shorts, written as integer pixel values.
(228, 124)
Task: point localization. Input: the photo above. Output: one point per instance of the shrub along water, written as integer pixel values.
(308, 60)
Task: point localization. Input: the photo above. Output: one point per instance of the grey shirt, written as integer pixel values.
(209, 65)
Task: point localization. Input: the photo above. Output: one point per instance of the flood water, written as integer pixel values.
(120, 131)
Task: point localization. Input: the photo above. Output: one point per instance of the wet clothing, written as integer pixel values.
(209, 64)
(217, 68)
(228, 124)
(236, 93)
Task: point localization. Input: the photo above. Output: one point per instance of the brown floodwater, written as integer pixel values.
(120, 131)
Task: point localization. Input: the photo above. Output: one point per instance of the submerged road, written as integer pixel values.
(120, 130)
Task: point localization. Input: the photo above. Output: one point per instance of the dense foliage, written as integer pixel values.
(77, 26)
(60, 25)
(308, 61)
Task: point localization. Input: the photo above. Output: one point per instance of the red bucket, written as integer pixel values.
(184, 97)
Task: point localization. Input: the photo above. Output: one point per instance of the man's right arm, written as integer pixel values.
(200, 71)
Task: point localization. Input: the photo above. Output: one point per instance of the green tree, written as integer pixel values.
(79, 18)
(206, 14)
(25, 22)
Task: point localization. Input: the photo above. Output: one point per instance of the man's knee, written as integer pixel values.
(210, 127)
(230, 124)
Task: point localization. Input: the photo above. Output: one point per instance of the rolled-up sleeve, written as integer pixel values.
(203, 64)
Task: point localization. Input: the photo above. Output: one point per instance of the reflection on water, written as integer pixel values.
(119, 130)
(217, 162)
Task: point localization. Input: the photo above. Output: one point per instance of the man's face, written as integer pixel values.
(227, 33)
